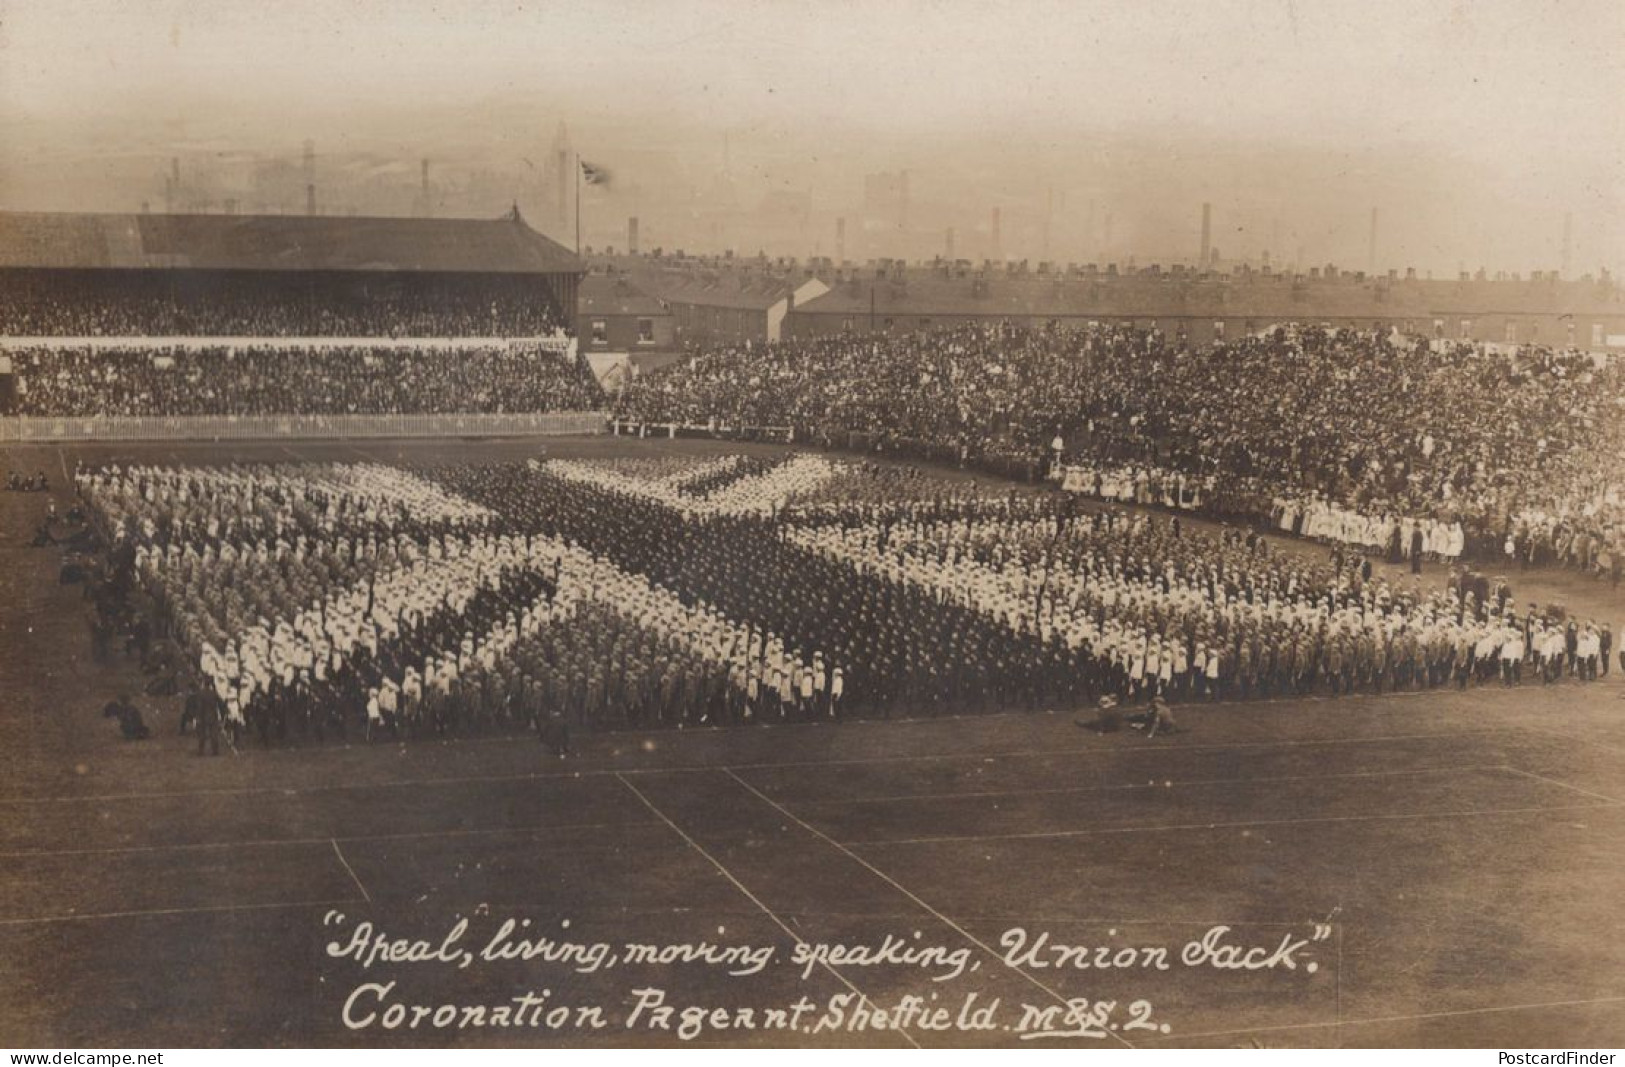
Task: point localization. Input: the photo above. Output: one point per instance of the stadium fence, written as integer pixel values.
(1016, 467)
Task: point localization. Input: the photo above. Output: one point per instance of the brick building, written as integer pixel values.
(1587, 313)
(720, 299)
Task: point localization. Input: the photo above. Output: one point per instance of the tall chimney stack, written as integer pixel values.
(1207, 234)
(840, 241)
(310, 177)
(1568, 242)
(998, 238)
(632, 235)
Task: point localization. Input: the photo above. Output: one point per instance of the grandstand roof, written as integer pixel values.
(505, 245)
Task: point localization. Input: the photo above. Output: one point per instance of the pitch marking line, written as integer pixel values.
(895, 884)
(1170, 784)
(199, 910)
(294, 842)
(399, 783)
(702, 768)
(349, 869)
(752, 897)
(1093, 751)
(1240, 825)
(1560, 784)
(1576, 738)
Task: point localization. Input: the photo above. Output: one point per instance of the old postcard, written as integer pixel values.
(732, 523)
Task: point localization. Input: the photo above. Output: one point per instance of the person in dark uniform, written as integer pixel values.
(208, 720)
(191, 708)
(101, 635)
(1107, 720)
(553, 729)
(129, 718)
(1160, 719)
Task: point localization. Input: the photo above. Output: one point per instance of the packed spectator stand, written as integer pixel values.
(284, 296)
(347, 379)
(1516, 446)
(149, 348)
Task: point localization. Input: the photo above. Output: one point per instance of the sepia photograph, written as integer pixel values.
(739, 524)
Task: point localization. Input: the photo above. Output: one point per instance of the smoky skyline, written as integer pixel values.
(1095, 130)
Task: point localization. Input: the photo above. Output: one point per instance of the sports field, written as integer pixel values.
(1449, 865)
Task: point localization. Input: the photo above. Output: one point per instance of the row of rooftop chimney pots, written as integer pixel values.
(898, 270)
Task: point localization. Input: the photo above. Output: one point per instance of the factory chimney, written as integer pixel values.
(310, 177)
(1207, 235)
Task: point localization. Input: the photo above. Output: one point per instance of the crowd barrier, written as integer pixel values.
(1018, 468)
(291, 427)
(673, 430)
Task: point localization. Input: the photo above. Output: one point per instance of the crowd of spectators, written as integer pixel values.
(162, 304)
(382, 379)
(1519, 446)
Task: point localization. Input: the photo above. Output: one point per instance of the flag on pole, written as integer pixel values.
(593, 174)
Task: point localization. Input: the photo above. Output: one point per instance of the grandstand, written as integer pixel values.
(172, 326)
(70, 275)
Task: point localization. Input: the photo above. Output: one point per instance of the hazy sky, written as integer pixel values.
(1473, 126)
